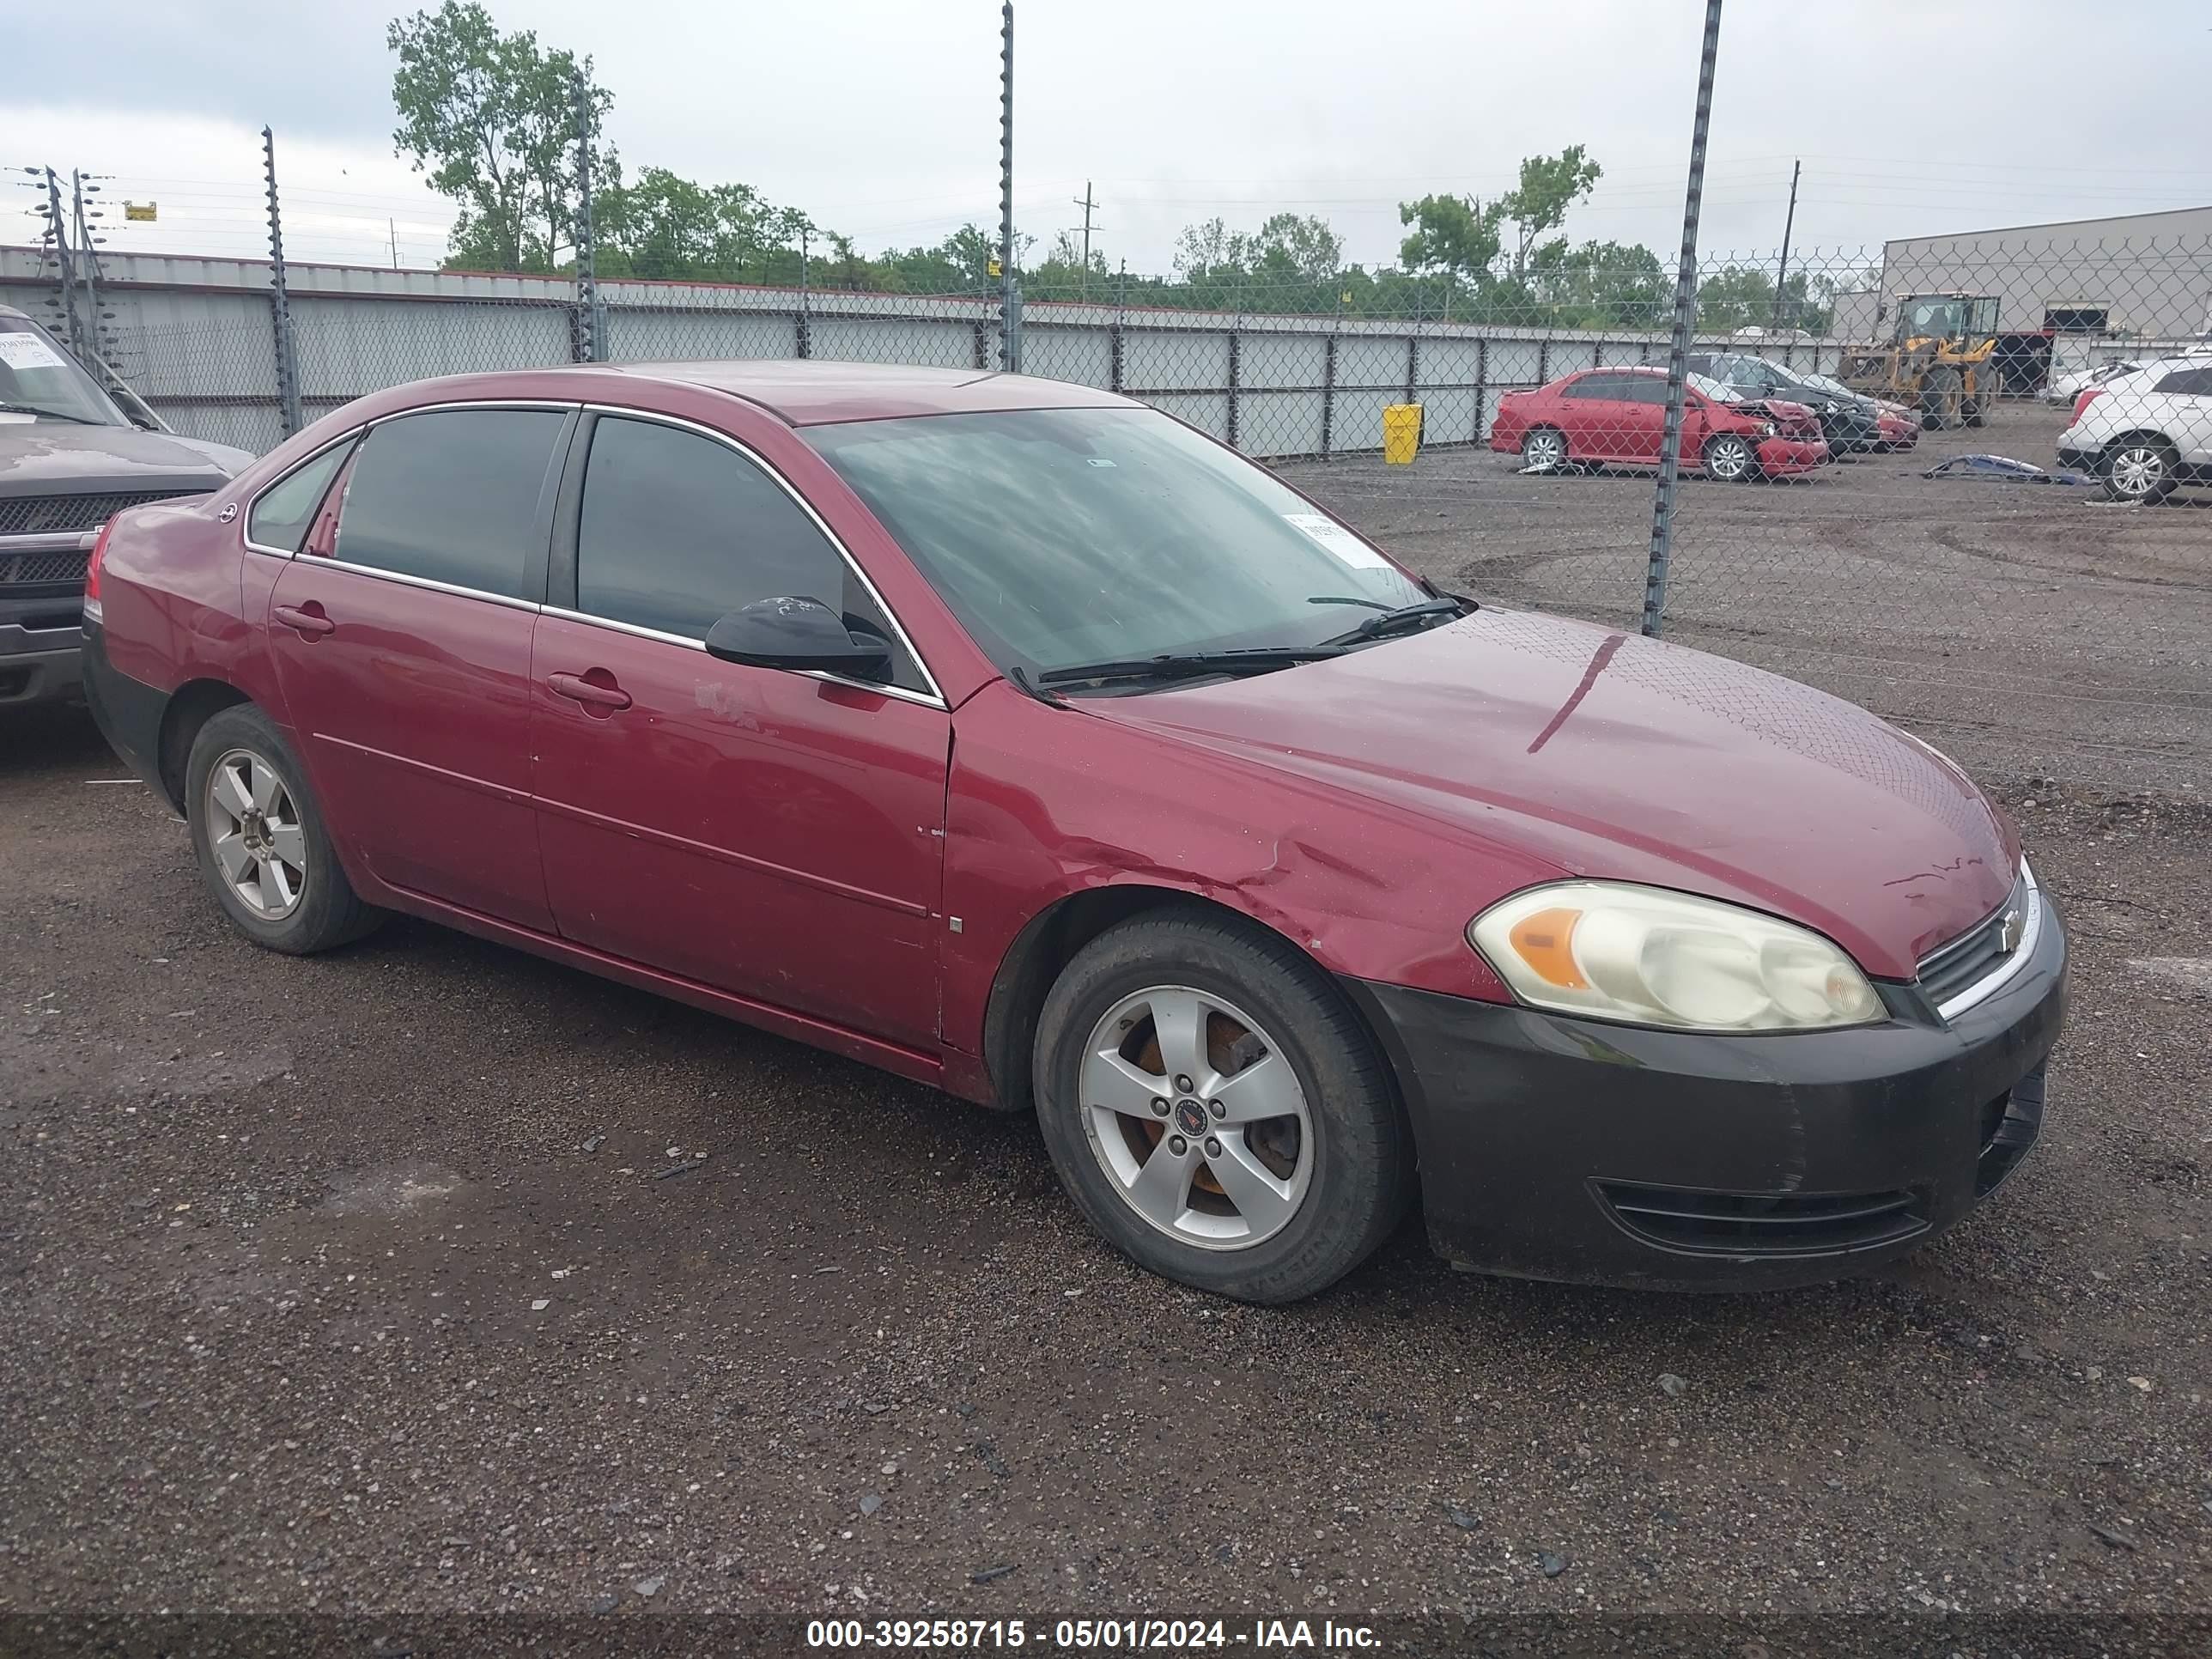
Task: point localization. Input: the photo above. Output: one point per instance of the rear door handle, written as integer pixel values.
(591, 694)
(310, 621)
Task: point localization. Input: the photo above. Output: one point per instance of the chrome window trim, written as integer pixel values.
(245, 512)
(425, 582)
(661, 637)
(936, 694)
(2005, 972)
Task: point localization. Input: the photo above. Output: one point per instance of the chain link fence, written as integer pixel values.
(1964, 483)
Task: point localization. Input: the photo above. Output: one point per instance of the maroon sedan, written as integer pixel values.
(1617, 416)
(1016, 738)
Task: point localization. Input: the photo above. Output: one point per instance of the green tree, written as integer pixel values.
(1549, 186)
(1299, 248)
(1600, 285)
(1454, 235)
(490, 118)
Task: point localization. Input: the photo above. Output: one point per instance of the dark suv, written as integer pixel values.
(70, 460)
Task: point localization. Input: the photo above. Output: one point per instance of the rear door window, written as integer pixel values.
(2194, 382)
(458, 496)
(1599, 386)
(283, 512)
(678, 530)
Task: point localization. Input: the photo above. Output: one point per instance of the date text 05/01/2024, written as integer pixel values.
(1166, 1635)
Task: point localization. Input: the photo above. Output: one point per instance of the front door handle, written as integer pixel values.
(308, 621)
(591, 693)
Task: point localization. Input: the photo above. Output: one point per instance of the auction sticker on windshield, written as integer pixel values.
(1338, 540)
(27, 352)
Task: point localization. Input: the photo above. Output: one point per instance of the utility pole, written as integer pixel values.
(587, 278)
(62, 252)
(1685, 304)
(393, 225)
(280, 305)
(1010, 288)
(1788, 224)
(89, 247)
(1086, 204)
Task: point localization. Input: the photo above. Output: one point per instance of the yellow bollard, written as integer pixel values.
(1402, 434)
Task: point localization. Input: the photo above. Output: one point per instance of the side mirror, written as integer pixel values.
(798, 633)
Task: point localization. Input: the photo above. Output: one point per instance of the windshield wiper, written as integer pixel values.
(1403, 619)
(50, 414)
(1192, 664)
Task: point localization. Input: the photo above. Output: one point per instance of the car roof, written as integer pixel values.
(810, 391)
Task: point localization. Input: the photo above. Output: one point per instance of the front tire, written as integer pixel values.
(2140, 470)
(1216, 1109)
(1730, 458)
(260, 838)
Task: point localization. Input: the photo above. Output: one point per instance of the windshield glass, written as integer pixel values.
(1834, 388)
(1938, 318)
(38, 380)
(1714, 389)
(1062, 536)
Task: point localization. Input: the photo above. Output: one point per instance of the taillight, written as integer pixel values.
(92, 565)
(2085, 399)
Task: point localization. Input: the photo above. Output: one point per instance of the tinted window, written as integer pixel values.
(677, 531)
(2195, 380)
(1643, 389)
(1598, 385)
(452, 496)
(280, 519)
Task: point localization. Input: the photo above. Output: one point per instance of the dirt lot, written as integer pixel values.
(353, 1284)
(2036, 630)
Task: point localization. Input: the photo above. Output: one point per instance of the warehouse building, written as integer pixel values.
(2141, 276)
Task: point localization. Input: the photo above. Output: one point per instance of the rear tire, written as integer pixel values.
(1543, 449)
(2139, 470)
(259, 835)
(1268, 1207)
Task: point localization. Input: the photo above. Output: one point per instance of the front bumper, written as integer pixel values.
(38, 665)
(1570, 1149)
(1780, 457)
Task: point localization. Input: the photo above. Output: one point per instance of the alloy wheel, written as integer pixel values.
(2137, 471)
(254, 825)
(1543, 450)
(1196, 1116)
(1729, 459)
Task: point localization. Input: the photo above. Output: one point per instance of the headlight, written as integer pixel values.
(1613, 951)
(1766, 429)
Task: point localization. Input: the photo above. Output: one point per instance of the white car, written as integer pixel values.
(2144, 433)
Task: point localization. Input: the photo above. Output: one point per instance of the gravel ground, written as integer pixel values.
(429, 1278)
(362, 1283)
(2031, 629)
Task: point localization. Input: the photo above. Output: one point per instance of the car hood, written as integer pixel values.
(1606, 754)
(51, 455)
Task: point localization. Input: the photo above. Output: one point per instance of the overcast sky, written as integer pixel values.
(880, 118)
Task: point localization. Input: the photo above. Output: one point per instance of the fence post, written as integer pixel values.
(1413, 363)
(1481, 386)
(805, 332)
(1010, 299)
(1544, 361)
(1115, 348)
(1328, 395)
(1236, 363)
(280, 305)
(587, 278)
(1686, 298)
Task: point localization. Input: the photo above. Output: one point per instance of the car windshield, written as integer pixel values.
(1714, 389)
(1064, 537)
(40, 381)
(1834, 388)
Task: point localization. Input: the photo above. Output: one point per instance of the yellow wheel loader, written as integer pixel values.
(1941, 359)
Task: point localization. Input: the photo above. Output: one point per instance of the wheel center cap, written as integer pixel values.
(1190, 1117)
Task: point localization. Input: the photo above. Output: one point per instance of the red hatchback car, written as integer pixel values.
(1015, 737)
(1617, 415)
